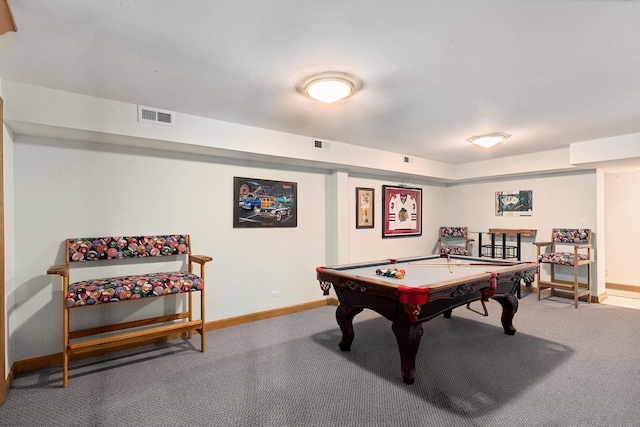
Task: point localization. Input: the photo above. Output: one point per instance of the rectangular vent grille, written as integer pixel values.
(149, 115)
(321, 145)
(164, 117)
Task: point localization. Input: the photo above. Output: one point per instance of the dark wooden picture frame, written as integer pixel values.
(365, 207)
(401, 211)
(262, 203)
(514, 203)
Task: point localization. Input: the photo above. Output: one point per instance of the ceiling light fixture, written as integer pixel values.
(329, 87)
(488, 140)
(329, 90)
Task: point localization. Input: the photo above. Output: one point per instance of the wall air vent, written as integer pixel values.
(151, 115)
(408, 159)
(321, 145)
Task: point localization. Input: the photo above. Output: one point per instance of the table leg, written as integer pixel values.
(504, 246)
(408, 338)
(493, 245)
(509, 305)
(344, 316)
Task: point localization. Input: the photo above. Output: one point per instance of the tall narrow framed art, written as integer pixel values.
(365, 207)
(401, 211)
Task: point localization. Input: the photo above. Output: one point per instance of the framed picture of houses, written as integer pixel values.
(264, 203)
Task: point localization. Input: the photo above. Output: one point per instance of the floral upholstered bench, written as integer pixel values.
(130, 287)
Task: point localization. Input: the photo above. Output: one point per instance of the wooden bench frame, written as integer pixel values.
(180, 323)
(576, 288)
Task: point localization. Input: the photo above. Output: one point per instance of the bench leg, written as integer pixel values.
(190, 301)
(65, 369)
(202, 316)
(202, 331)
(575, 284)
(65, 346)
(589, 283)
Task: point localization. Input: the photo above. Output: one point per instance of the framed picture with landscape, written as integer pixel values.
(365, 207)
(401, 211)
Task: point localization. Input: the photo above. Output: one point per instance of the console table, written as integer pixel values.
(503, 250)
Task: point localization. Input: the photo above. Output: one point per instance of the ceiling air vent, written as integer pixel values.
(150, 115)
(321, 145)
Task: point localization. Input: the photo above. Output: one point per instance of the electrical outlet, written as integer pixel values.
(606, 272)
(275, 294)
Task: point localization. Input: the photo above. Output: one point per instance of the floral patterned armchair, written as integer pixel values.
(454, 241)
(569, 248)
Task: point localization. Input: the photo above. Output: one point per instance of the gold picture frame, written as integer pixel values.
(365, 207)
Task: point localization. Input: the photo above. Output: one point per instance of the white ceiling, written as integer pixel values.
(434, 72)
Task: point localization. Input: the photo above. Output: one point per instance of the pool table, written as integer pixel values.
(431, 286)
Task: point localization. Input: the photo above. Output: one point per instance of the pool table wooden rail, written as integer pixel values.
(464, 290)
(407, 309)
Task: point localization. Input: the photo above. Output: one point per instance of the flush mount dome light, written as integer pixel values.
(488, 140)
(329, 86)
(329, 89)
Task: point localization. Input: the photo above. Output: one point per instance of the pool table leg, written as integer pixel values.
(509, 305)
(344, 316)
(408, 338)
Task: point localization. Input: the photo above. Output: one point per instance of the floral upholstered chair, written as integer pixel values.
(568, 250)
(454, 241)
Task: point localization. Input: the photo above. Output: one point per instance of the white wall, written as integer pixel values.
(368, 244)
(67, 188)
(72, 189)
(563, 200)
(621, 212)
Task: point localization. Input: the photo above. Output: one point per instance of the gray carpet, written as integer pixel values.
(564, 367)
